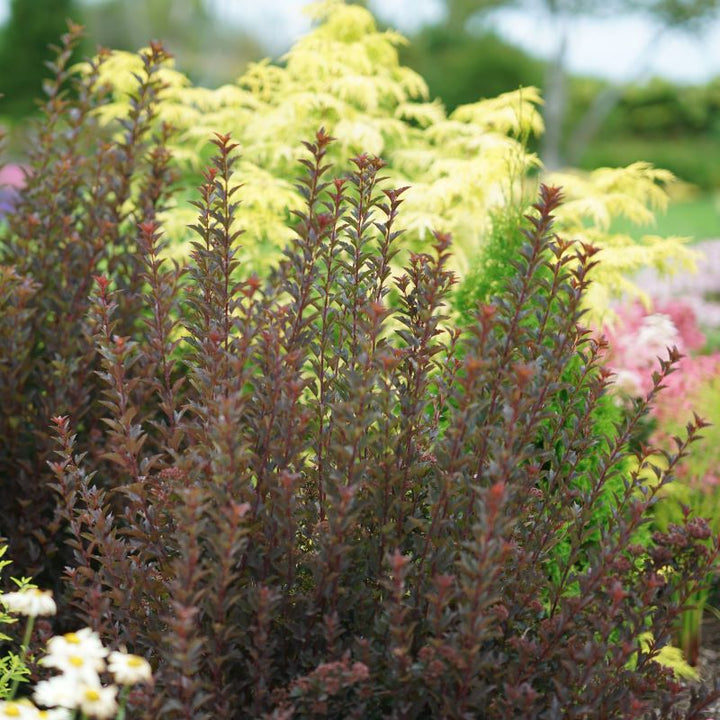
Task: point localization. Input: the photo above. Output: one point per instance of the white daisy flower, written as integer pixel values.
(99, 702)
(80, 668)
(59, 691)
(129, 669)
(54, 714)
(18, 710)
(29, 601)
(78, 653)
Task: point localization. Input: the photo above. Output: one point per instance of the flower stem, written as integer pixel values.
(23, 654)
(122, 702)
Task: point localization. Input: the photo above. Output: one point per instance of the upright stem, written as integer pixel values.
(122, 702)
(23, 654)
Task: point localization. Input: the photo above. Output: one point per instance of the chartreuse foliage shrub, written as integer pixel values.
(308, 494)
(464, 169)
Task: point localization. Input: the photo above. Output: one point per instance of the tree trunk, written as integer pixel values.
(555, 103)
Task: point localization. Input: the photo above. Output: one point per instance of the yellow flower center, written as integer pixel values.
(11, 710)
(76, 661)
(92, 695)
(135, 662)
(72, 638)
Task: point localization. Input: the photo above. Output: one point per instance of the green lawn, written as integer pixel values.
(693, 160)
(698, 218)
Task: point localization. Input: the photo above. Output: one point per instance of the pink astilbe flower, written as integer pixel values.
(685, 320)
(685, 385)
(638, 338)
(636, 341)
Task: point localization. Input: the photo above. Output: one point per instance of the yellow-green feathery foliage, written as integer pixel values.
(670, 657)
(593, 200)
(345, 75)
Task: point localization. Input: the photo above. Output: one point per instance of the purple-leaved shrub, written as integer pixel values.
(313, 494)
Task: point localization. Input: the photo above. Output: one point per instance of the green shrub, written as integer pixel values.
(24, 39)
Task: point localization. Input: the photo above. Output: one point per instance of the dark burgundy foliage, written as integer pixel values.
(314, 494)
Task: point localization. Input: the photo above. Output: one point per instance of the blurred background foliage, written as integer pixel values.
(209, 51)
(591, 122)
(24, 41)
